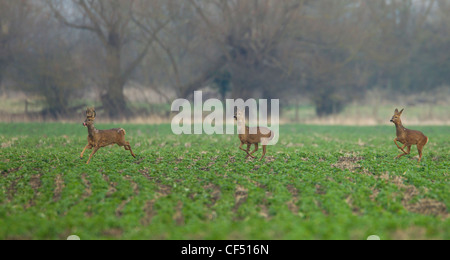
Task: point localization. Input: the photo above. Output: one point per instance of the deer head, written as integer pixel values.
(239, 116)
(88, 122)
(396, 117)
(90, 112)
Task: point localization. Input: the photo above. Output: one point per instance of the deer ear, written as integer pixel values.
(400, 113)
(396, 111)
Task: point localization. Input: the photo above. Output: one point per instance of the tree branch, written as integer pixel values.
(94, 21)
(125, 75)
(63, 20)
(197, 83)
(93, 28)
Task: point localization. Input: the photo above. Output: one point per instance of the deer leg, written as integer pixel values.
(240, 147)
(419, 149)
(128, 148)
(404, 153)
(408, 151)
(92, 154)
(84, 150)
(395, 141)
(264, 152)
(248, 150)
(256, 149)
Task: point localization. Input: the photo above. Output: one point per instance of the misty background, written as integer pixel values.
(328, 61)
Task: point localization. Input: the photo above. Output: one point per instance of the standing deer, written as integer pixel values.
(102, 138)
(263, 135)
(407, 137)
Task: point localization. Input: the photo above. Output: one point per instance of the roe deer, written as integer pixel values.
(262, 135)
(407, 137)
(102, 138)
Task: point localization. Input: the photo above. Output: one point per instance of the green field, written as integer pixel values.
(319, 182)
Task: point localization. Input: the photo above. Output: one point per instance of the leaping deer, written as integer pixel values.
(261, 135)
(102, 138)
(407, 137)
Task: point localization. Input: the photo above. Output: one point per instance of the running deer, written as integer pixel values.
(407, 137)
(263, 135)
(102, 138)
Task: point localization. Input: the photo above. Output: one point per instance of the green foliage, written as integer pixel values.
(319, 182)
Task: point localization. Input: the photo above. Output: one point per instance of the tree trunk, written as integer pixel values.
(2, 89)
(241, 85)
(328, 104)
(241, 91)
(113, 99)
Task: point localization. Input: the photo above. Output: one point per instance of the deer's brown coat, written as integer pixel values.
(247, 136)
(407, 137)
(102, 138)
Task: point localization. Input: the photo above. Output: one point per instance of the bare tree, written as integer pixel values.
(329, 51)
(43, 61)
(325, 44)
(14, 18)
(110, 21)
(401, 49)
(251, 35)
(189, 60)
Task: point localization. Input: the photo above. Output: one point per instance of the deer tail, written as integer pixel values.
(271, 135)
(267, 138)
